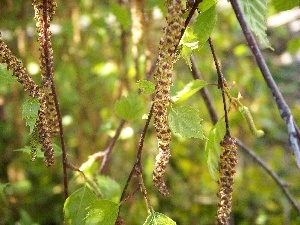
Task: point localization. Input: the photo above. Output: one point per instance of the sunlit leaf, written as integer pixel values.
(188, 43)
(129, 107)
(185, 121)
(189, 90)
(204, 25)
(213, 149)
(157, 218)
(76, 204)
(255, 12)
(146, 86)
(102, 212)
(30, 110)
(282, 5)
(206, 4)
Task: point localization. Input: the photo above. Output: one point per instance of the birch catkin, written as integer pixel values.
(163, 76)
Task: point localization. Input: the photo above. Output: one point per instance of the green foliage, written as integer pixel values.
(207, 4)
(293, 45)
(30, 109)
(122, 14)
(39, 153)
(110, 189)
(204, 25)
(129, 107)
(189, 90)
(101, 212)
(188, 44)
(255, 12)
(6, 76)
(157, 218)
(185, 120)
(83, 207)
(282, 5)
(213, 149)
(146, 86)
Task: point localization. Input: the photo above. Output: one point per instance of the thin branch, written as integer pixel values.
(282, 106)
(220, 84)
(213, 115)
(275, 177)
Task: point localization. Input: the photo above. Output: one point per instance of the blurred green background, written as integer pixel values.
(95, 64)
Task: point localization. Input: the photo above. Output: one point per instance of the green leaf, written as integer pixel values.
(157, 218)
(255, 12)
(293, 45)
(189, 90)
(122, 14)
(185, 121)
(110, 189)
(102, 212)
(204, 25)
(6, 76)
(282, 5)
(188, 43)
(3, 186)
(206, 4)
(213, 149)
(76, 204)
(30, 109)
(146, 86)
(129, 107)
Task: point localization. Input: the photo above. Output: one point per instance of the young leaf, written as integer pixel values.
(6, 76)
(205, 24)
(157, 218)
(188, 43)
(146, 86)
(76, 204)
(213, 149)
(189, 90)
(255, 12)
(102, 212)
(30, 109)
(206, 4)
(129, 107)
(185, 121)
(110, 189)
(282, 5)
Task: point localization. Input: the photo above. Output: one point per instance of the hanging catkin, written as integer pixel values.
(228, 161)
(163, 76)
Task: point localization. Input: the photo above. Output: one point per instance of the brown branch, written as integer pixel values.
(213, 115)
(282, 106)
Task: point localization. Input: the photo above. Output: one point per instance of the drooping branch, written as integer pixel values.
(284, 110)
(213, 114)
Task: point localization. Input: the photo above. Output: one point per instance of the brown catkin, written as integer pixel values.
(163, 76)
(228, 161)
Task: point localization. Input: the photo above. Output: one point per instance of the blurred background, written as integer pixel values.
(100, 52)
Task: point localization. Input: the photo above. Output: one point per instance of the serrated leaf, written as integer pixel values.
(146, 86)
(122, 14)
(102, 212)
(204, 25)
(30, 109)
(255, 12)
(6, 76)
(213, 149)
(110, 189)
(129, 107)
(188, 43)
(185, 121)
(282, 5)
(157, 218)
(189, 90)
(76, 204)
(206, 4)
